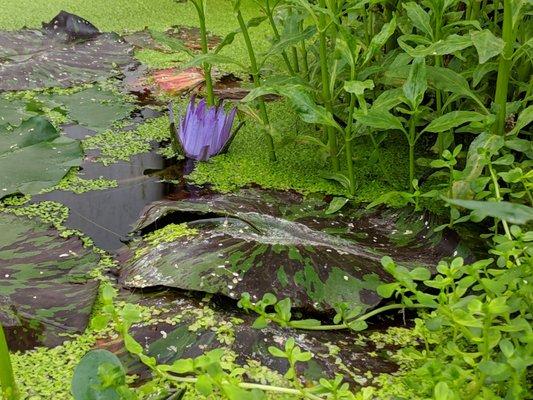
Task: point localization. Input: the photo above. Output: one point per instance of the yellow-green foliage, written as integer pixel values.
(74, 183)
(169, 233)
(122, 145)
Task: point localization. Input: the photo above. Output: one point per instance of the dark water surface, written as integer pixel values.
(107, 215)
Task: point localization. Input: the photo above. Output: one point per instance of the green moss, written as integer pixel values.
(122, 145)
(299, 166)
(169, 233)
(44, 373)
(47, 211)
(72, 182)
(395, 336)
(158, 59)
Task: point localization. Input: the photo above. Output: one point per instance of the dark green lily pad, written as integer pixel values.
(260, 241)
(34, 156)
(14, 111)
(60, 55)
(95, 108)
(44, 283)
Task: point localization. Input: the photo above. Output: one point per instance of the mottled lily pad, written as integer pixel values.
(259, 241)
(66, 52)
(34, 156)
(44, 283)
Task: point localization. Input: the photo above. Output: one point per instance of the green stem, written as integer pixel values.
(348, 144)
(257, 83)
(364, 317)
(294, 53)
(326, 94)
(438, 92)
(305, 63)
(496, 5)
(277, 36)
(7, 380)
(245, 385)
(206, 66)
(387, 308)
(504, 69)
(348, 131)
(474, 12)
(499, 198)
(412, 141)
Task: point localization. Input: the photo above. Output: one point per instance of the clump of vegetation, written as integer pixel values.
(120, 145)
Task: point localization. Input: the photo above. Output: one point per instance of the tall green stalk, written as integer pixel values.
(326, 93)
(504, 68)
(257, 83)
(270, 15)
(438, 92)
(199, 5)
(7, 380)
(348, 144)
(412, 141)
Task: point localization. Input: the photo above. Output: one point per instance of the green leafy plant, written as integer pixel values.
(477, 328)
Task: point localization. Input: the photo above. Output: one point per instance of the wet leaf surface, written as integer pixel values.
(66, 52)
(44, 284)
(34, 156)
(95, 108)
(260, 241)
(14, 111)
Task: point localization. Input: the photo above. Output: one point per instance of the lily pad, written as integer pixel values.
(44, 283)
(66, 52)
(260, 241)
(95, 108)
(14, 111)
(34, 156)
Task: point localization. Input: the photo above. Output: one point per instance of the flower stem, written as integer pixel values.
(504, 69)
(199, 5)
(7, 380)
(257, 83)
(326, 94)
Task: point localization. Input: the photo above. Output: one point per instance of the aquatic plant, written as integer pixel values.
(205, 130)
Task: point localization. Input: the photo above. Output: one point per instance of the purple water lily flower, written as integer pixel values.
(205, 131)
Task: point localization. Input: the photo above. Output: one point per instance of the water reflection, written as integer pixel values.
(107, 215)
